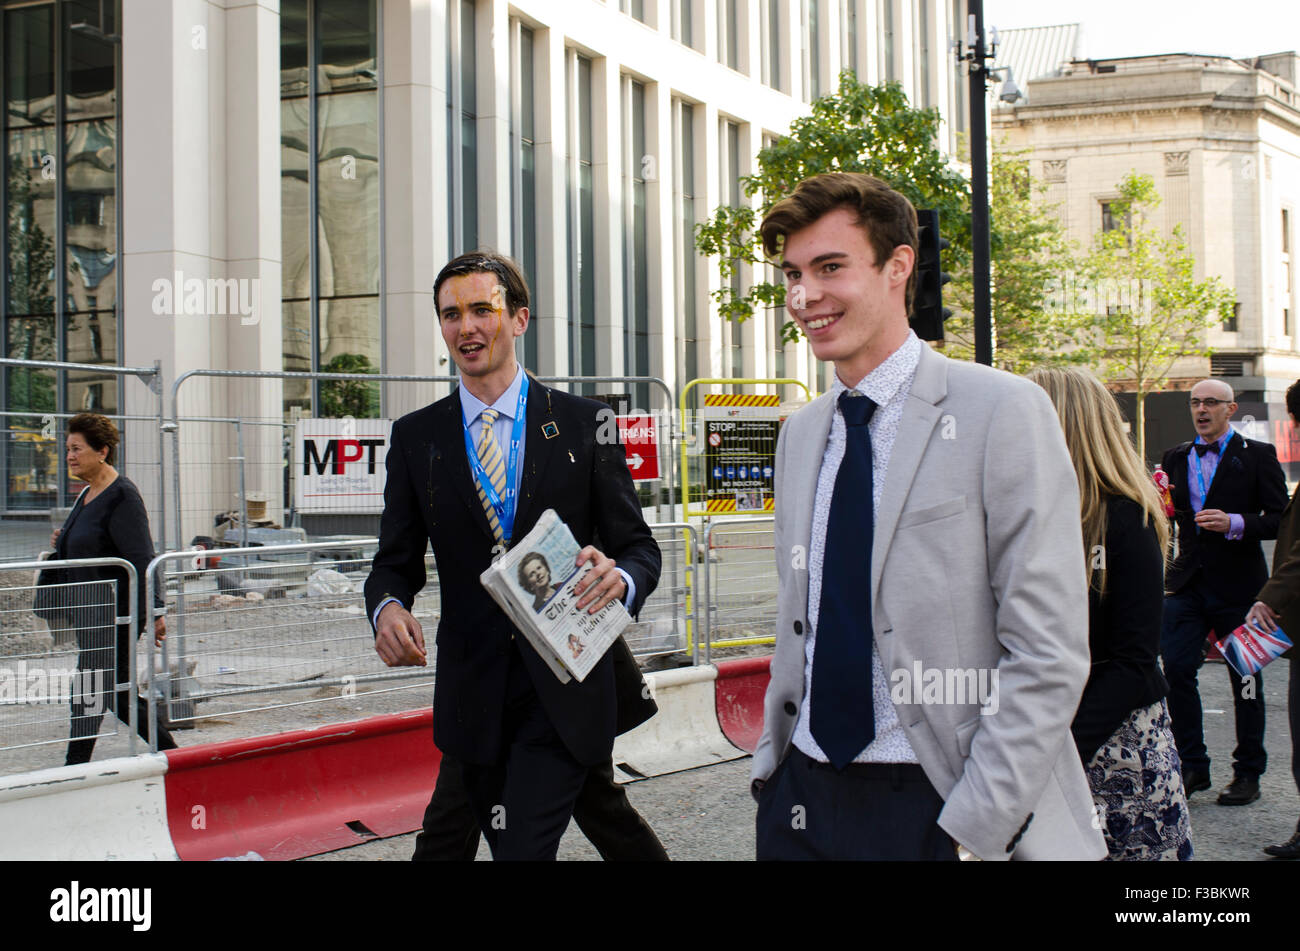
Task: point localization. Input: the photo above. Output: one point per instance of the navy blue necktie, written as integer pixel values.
(843, 718)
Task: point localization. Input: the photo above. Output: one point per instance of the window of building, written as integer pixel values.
(849, 34)
(729, 33)
(1110, 221)
(770, 32)
(812, 60)
(633, 8)
(636, 262)
(1288, 310)
(923, 52)
(957, 97)
(887, 59)
(683, 22)
(684, 213)
(462, 126)
(523, 179)
(729, 169)
(1230, 324)
(777, 315)
(60, 295)
(329, 194)
(581, 218)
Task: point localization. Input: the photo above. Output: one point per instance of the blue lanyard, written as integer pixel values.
(505, 509)
(1195, 462)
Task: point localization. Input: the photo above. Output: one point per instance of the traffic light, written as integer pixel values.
(928, 312)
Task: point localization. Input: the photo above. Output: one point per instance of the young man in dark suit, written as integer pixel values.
(1229, 493)
(1277, 605)
(470, 474)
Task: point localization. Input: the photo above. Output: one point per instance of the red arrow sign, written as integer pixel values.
(640, 437)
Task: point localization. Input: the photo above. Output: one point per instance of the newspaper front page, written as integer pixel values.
(534, 582)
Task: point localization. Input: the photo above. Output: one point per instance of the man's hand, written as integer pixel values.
(159, 630)
(399, 640)
(602, 584)
(1261, 616)
(54, 538)
(1213, 520)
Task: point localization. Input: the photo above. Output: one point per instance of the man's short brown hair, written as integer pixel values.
(886, 216)
(508, 273)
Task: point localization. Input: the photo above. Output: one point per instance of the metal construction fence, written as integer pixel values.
(33, 427)
(740, 586)
(264, 470)
(59, 658)
(728, 444)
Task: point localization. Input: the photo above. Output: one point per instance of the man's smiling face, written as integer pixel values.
(476, 325)
(851, 309)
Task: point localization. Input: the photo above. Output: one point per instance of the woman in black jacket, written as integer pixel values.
(107, 520)
(1122, 728)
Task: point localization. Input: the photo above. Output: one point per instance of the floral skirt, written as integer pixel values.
(1137, 786)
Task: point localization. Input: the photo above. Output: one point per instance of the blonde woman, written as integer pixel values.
(1122, 726)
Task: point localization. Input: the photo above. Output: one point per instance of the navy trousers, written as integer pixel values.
(810, 811)
(1188, 618)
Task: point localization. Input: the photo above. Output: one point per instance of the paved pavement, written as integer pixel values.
(707, 813)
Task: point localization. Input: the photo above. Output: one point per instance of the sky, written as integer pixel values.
(1113, 28)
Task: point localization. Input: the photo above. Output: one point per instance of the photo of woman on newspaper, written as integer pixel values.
(576, 645)
(535, 578)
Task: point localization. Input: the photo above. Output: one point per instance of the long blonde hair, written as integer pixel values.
(1105, 462)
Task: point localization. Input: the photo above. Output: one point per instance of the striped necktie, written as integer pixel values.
(494, 466)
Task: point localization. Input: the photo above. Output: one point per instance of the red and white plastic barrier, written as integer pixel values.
(301, 793)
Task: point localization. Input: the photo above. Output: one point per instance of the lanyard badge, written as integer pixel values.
(505, 508)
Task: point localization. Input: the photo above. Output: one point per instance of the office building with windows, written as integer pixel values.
(272, 185)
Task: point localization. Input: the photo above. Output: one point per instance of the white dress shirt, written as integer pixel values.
(888, 385)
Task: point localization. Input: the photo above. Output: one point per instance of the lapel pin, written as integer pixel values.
(571, 459)
(550, 430)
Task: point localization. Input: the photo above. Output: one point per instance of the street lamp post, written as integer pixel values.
(976, 55)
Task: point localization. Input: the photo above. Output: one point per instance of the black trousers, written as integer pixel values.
(1187, 620)
(602, 811)
(98, 672)
(810, 811)
(523, 802)
(1293, 708)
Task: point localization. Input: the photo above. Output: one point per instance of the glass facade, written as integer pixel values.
(60, 298)
(684, 210)
(769, 28)
(524, 180)
(329, 192)
(637, 165)
(582, 220)
(733, 356)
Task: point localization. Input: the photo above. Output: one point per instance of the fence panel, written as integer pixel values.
(36, 489)
(741, 586)
(253, 465)
(268, 627)
(59, 670)
(668, 617)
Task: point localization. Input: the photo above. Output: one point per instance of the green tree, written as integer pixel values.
(859, 128)
(1141, 285)
(1028, 252)
(355, 398)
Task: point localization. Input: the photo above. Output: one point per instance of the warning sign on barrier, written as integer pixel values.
(740, 451)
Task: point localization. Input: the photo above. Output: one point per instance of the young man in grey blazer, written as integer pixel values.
(932, 630)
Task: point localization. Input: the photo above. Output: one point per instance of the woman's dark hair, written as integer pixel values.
(1293, 399)
(506, 270)
(98, 431)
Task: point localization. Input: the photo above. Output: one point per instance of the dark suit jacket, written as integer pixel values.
(1123, 628)
(1248, 482)
(430, 497)
(1281, 590)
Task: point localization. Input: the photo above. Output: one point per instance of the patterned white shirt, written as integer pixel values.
(888, 385)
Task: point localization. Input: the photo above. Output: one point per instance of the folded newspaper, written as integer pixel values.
(534, 582)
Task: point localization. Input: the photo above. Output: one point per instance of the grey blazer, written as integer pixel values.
(977, 563)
